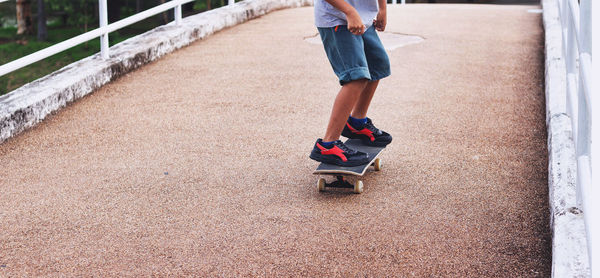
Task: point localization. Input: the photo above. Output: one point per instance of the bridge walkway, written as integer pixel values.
(198, 163)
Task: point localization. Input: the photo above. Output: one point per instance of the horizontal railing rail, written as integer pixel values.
(101, 32)
(576, 23)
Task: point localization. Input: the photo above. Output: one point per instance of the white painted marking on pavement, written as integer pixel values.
(390, 41)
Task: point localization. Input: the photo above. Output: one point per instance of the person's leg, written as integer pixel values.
(362, 105)
(379, 67)
(359, 126)
(342, 106)
(346, 54)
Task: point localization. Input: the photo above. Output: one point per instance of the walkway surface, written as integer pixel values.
(198, 163)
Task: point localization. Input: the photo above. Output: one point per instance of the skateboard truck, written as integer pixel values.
(341, 182)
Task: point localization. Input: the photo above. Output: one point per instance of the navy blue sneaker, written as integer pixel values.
(368, 134)
(338, 154)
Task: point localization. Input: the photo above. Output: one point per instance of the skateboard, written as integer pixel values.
(341, 172)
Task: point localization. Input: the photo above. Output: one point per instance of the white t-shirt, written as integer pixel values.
(328, 16)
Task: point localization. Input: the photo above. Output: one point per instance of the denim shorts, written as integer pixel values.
(355, 57)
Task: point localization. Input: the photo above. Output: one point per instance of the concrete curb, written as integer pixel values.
(28, 105)
(569, 251)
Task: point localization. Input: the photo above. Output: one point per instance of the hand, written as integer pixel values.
(355, 25)
(380, 21)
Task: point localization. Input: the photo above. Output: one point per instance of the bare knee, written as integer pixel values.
(358, 84)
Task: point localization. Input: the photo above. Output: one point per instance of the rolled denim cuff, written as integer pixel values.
(354, 74)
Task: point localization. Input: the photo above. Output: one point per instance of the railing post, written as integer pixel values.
(178, 14)
(563, 11)
(570, 51)
(231, 2)
(103, 14)
(403, 2)
(594, 226)
(591, 207)
(394, 2)
(585, 25)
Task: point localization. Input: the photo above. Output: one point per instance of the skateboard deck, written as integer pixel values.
(341, 172)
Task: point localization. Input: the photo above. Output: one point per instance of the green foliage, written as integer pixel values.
(7, 13)
(80, 13)
(8, 32)
(12, 50)
(200, 5)
(127, 11)
(67, 19)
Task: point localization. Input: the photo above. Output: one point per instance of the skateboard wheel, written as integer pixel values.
(378, 164)
(358, 187)
(321, 184)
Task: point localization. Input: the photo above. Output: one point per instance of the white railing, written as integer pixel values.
(576, 21)
(101, 32)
